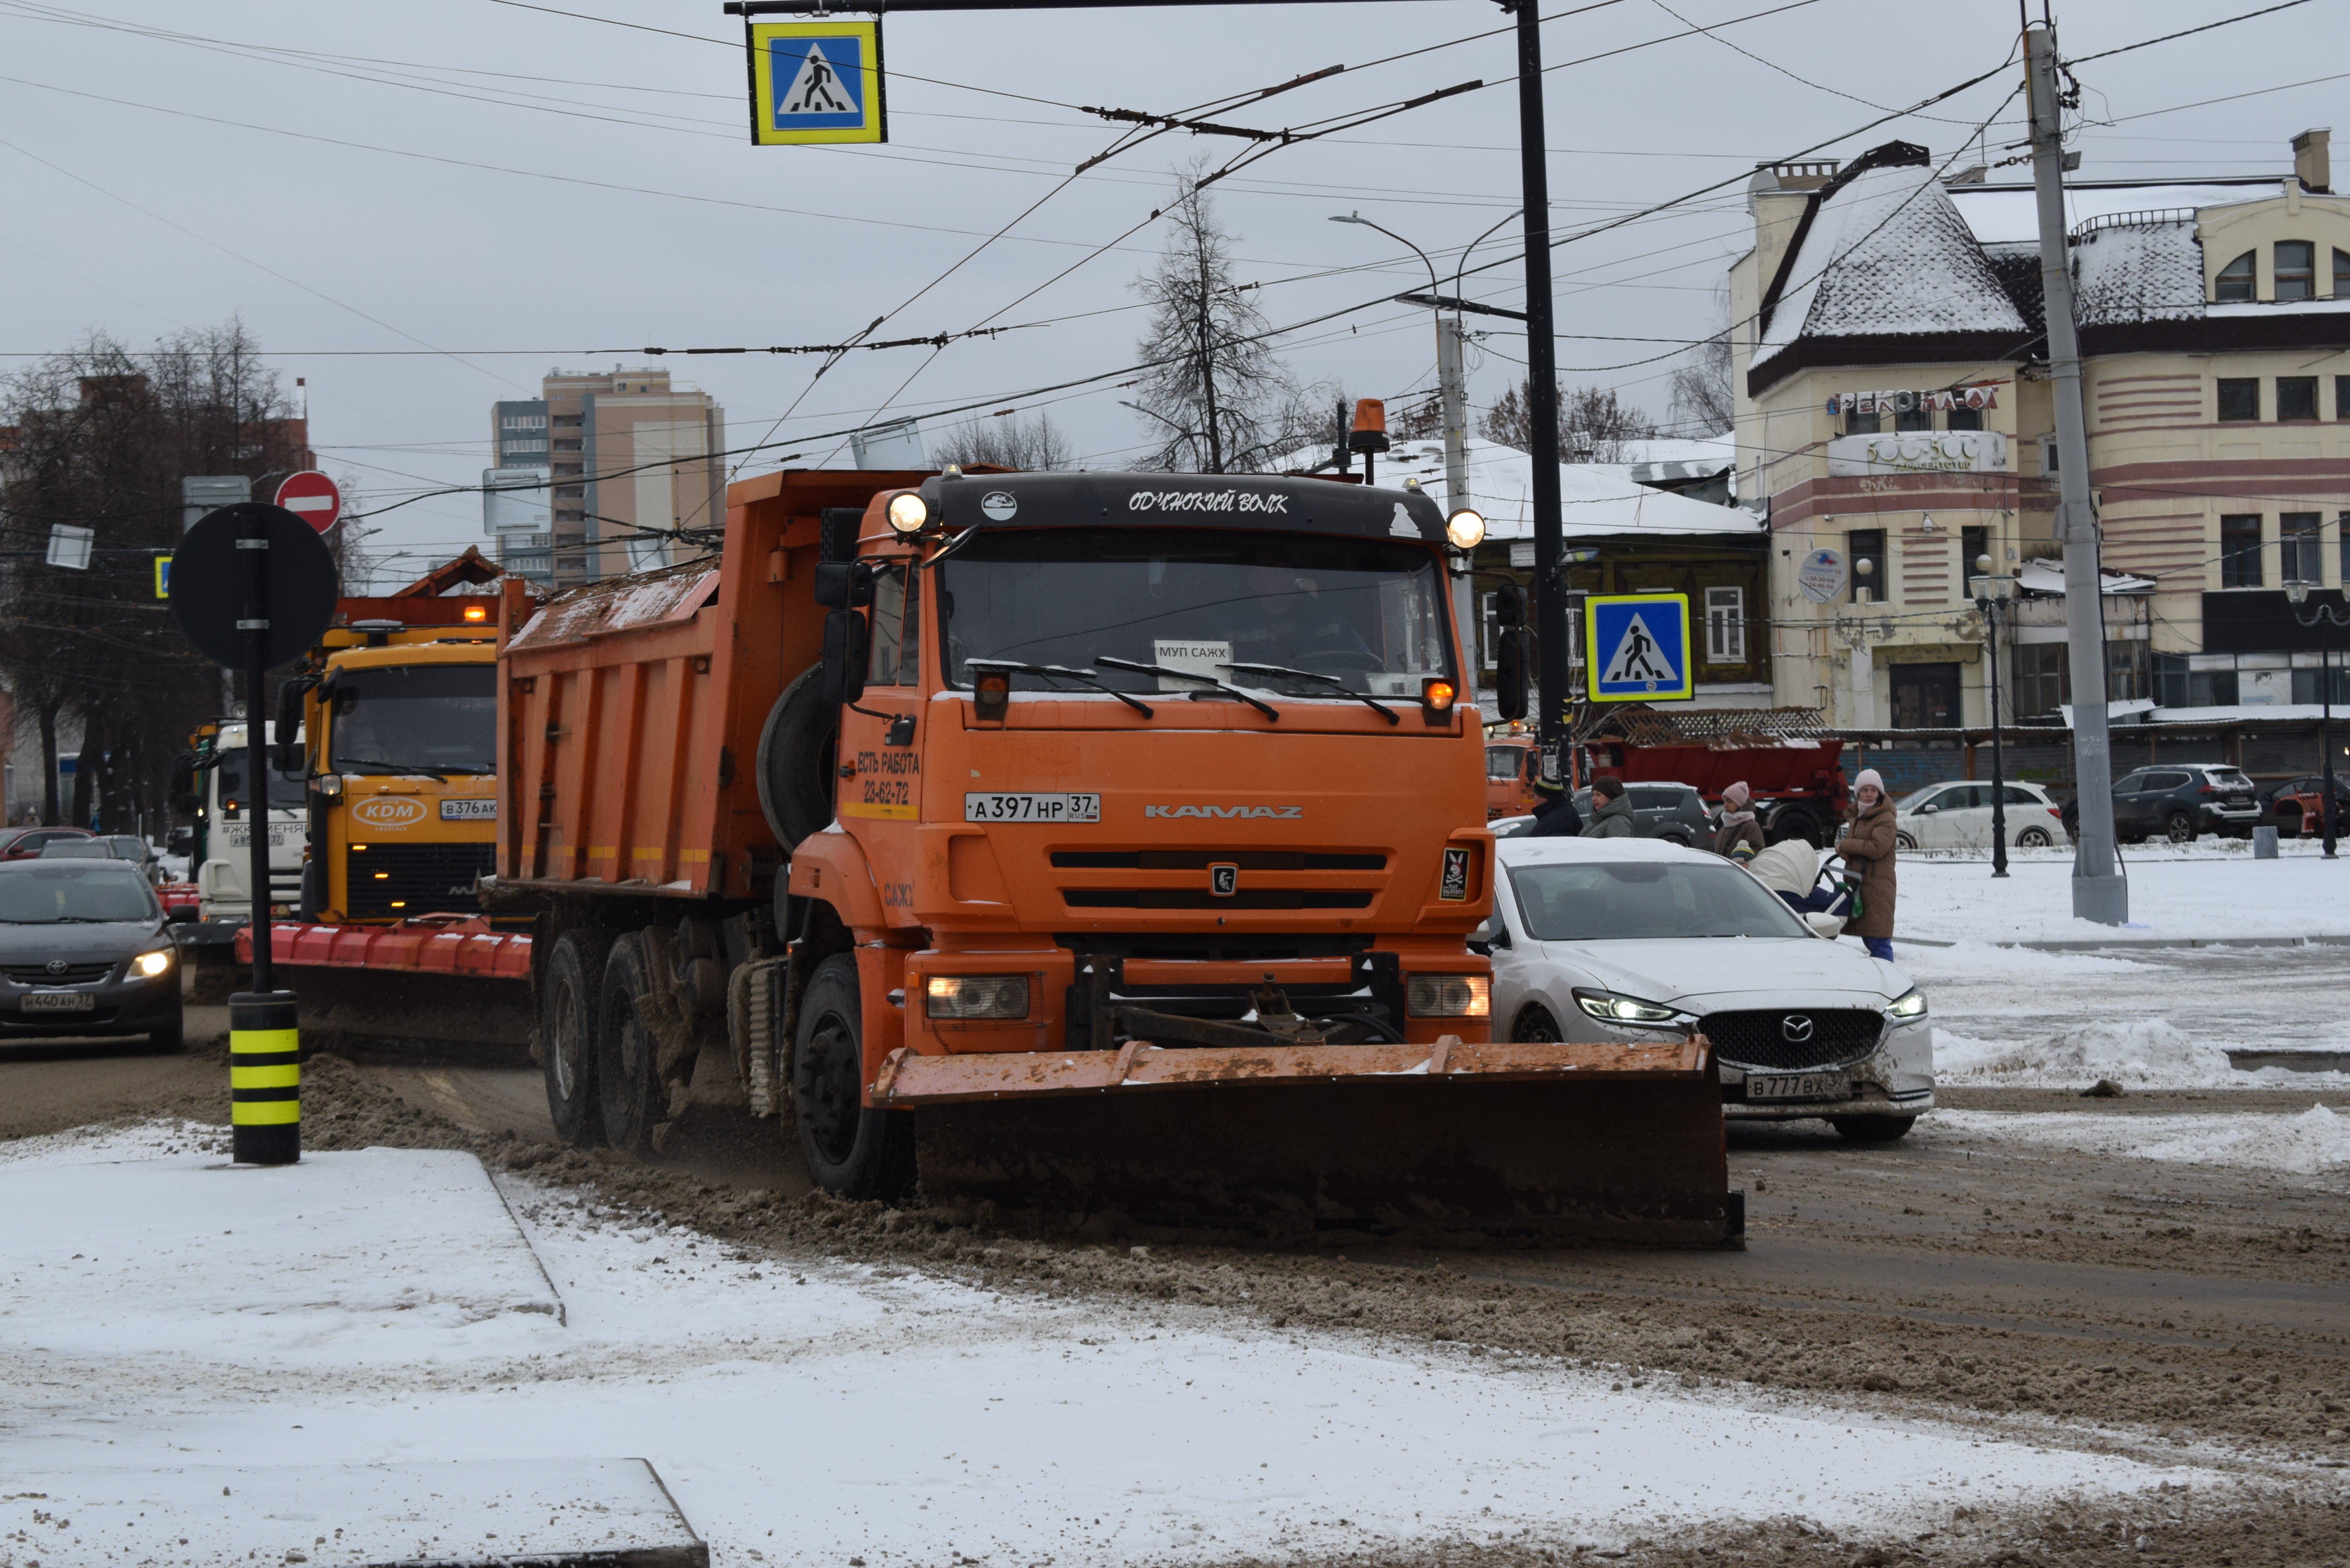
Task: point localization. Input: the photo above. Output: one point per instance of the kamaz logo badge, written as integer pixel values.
(1225, 811)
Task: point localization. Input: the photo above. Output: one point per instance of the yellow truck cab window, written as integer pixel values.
(420, 717)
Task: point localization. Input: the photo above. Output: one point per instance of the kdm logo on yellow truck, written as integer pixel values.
(388, 811)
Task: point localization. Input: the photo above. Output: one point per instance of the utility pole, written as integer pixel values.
(2099, 893)
(1452, 397)
(1542, 397)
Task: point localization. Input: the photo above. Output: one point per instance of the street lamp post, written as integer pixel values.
(1990, 597)
(2327, 616)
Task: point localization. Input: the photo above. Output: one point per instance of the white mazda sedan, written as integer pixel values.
(1634, 938)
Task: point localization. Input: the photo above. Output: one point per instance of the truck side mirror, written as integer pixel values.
(285, 757)
(1510, 677)
(843, 584)
(1509, 607)
(845, 653)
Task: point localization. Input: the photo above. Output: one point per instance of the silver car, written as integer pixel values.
(1629, 939)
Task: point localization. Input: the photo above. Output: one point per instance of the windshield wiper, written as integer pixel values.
(1332, 681)
(1092, 678)
(1266, 709)
(380, 765)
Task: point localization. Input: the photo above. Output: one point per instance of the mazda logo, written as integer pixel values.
(56, 966)
(1796, 1027)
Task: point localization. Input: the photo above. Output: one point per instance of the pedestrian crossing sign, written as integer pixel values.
(815, 82)
(1636, 648)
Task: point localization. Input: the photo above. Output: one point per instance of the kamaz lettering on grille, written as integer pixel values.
(1224, 811)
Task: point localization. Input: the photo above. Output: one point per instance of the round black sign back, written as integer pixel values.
(209, 578)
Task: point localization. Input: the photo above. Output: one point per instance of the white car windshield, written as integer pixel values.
(1632, 901)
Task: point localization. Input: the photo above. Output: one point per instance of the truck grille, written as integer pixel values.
(72, 974)
(1201, 899)
(1758, 1039)
(1201, 859)
(398, 880)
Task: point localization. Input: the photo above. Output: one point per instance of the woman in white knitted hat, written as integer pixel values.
(1867, 848)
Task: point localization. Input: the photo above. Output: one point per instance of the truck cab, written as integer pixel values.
(225, 814)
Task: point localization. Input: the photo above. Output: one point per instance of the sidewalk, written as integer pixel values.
(2200, 898)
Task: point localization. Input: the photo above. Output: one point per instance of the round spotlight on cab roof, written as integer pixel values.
(908, 513)
(1465, 528)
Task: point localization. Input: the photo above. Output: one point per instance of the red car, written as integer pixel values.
(26, 843)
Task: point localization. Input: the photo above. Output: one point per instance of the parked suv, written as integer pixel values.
(1958, 815)
(2298, 805)
(1673, 812)
(2179, 801)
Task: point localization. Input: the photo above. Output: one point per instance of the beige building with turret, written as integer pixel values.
(1894, 417)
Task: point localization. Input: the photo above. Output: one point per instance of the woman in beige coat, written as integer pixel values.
(1867, 848)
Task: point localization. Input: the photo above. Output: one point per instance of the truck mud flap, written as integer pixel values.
(1604, 1144)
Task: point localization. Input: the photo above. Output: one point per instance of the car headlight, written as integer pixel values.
(152, 964)
(1449, 996)
(1609, 1008)
(1908, 1009)
(976, 996)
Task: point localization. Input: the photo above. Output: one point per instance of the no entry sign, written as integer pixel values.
(311, 496)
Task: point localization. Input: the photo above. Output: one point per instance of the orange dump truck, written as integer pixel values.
(1087, 842)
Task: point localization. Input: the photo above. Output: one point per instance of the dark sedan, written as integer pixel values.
(85, 949)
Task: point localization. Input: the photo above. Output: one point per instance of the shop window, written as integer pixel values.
(2342, 386)
(1918, 416)
(2341, 274)
(2176, 686)
(2126, 675)
(1857, 423)
(2297, 548)
(1966, 418)
(1865, 549)
(2296, 270)
(2234, 283)
(2240, 552)
(2296, 396)
(1974, 546)
(2240, 399)
(1725, 626)
(2309, 686)
(2036, 680)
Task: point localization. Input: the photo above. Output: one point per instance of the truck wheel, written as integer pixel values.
(627, 1057)
(797, 752)
(1795, 823)
(850, 1149)
(567, 1035)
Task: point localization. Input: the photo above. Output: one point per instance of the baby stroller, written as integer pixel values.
(1816, 884)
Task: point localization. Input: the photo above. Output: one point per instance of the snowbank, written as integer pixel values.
(2201, 897)
(802, 1415)
(2314, 1143)
(2142, 1052)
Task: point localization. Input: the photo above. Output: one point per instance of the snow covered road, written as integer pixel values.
(840, 1409)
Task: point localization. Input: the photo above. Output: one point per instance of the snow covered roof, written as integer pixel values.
(2010, 215)
(2048, 577)
(1596, 499)
(2148, 268)
(1884, 253)
(1680, 462)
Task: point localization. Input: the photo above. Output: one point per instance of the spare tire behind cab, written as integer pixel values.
(798, 755)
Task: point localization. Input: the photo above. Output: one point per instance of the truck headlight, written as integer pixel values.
(150, 965)
(1910, 1008)
(976, 996)
(1465, 528)
(1449, 996)
(1609, 1008)
(908, 512)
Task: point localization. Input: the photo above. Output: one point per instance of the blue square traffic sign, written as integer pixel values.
(1636, 648)
(816, 81)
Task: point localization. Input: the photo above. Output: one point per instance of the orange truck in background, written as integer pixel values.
(1085, 841)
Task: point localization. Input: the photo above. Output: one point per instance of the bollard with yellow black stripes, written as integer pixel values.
(264, 1078)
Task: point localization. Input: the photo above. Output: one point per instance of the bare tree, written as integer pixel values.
(1594, 423)
(1005, 440)
(1217, 399)
(1704, 399)
(99, 438)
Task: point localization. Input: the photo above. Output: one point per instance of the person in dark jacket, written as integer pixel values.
(1867, 848)
(1555, 817)
(1738, 836)
(1611, 813)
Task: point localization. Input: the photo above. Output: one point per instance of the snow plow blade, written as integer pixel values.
(1584, 1143)
(445, 987)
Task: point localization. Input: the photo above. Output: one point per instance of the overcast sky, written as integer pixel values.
(479, 192)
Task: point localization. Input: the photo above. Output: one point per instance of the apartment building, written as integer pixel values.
(633, 460)
(518, 439)
(1895, 419)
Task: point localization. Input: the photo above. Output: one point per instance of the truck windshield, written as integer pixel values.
(1364, 612)
(286, 790)
(416, 717)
